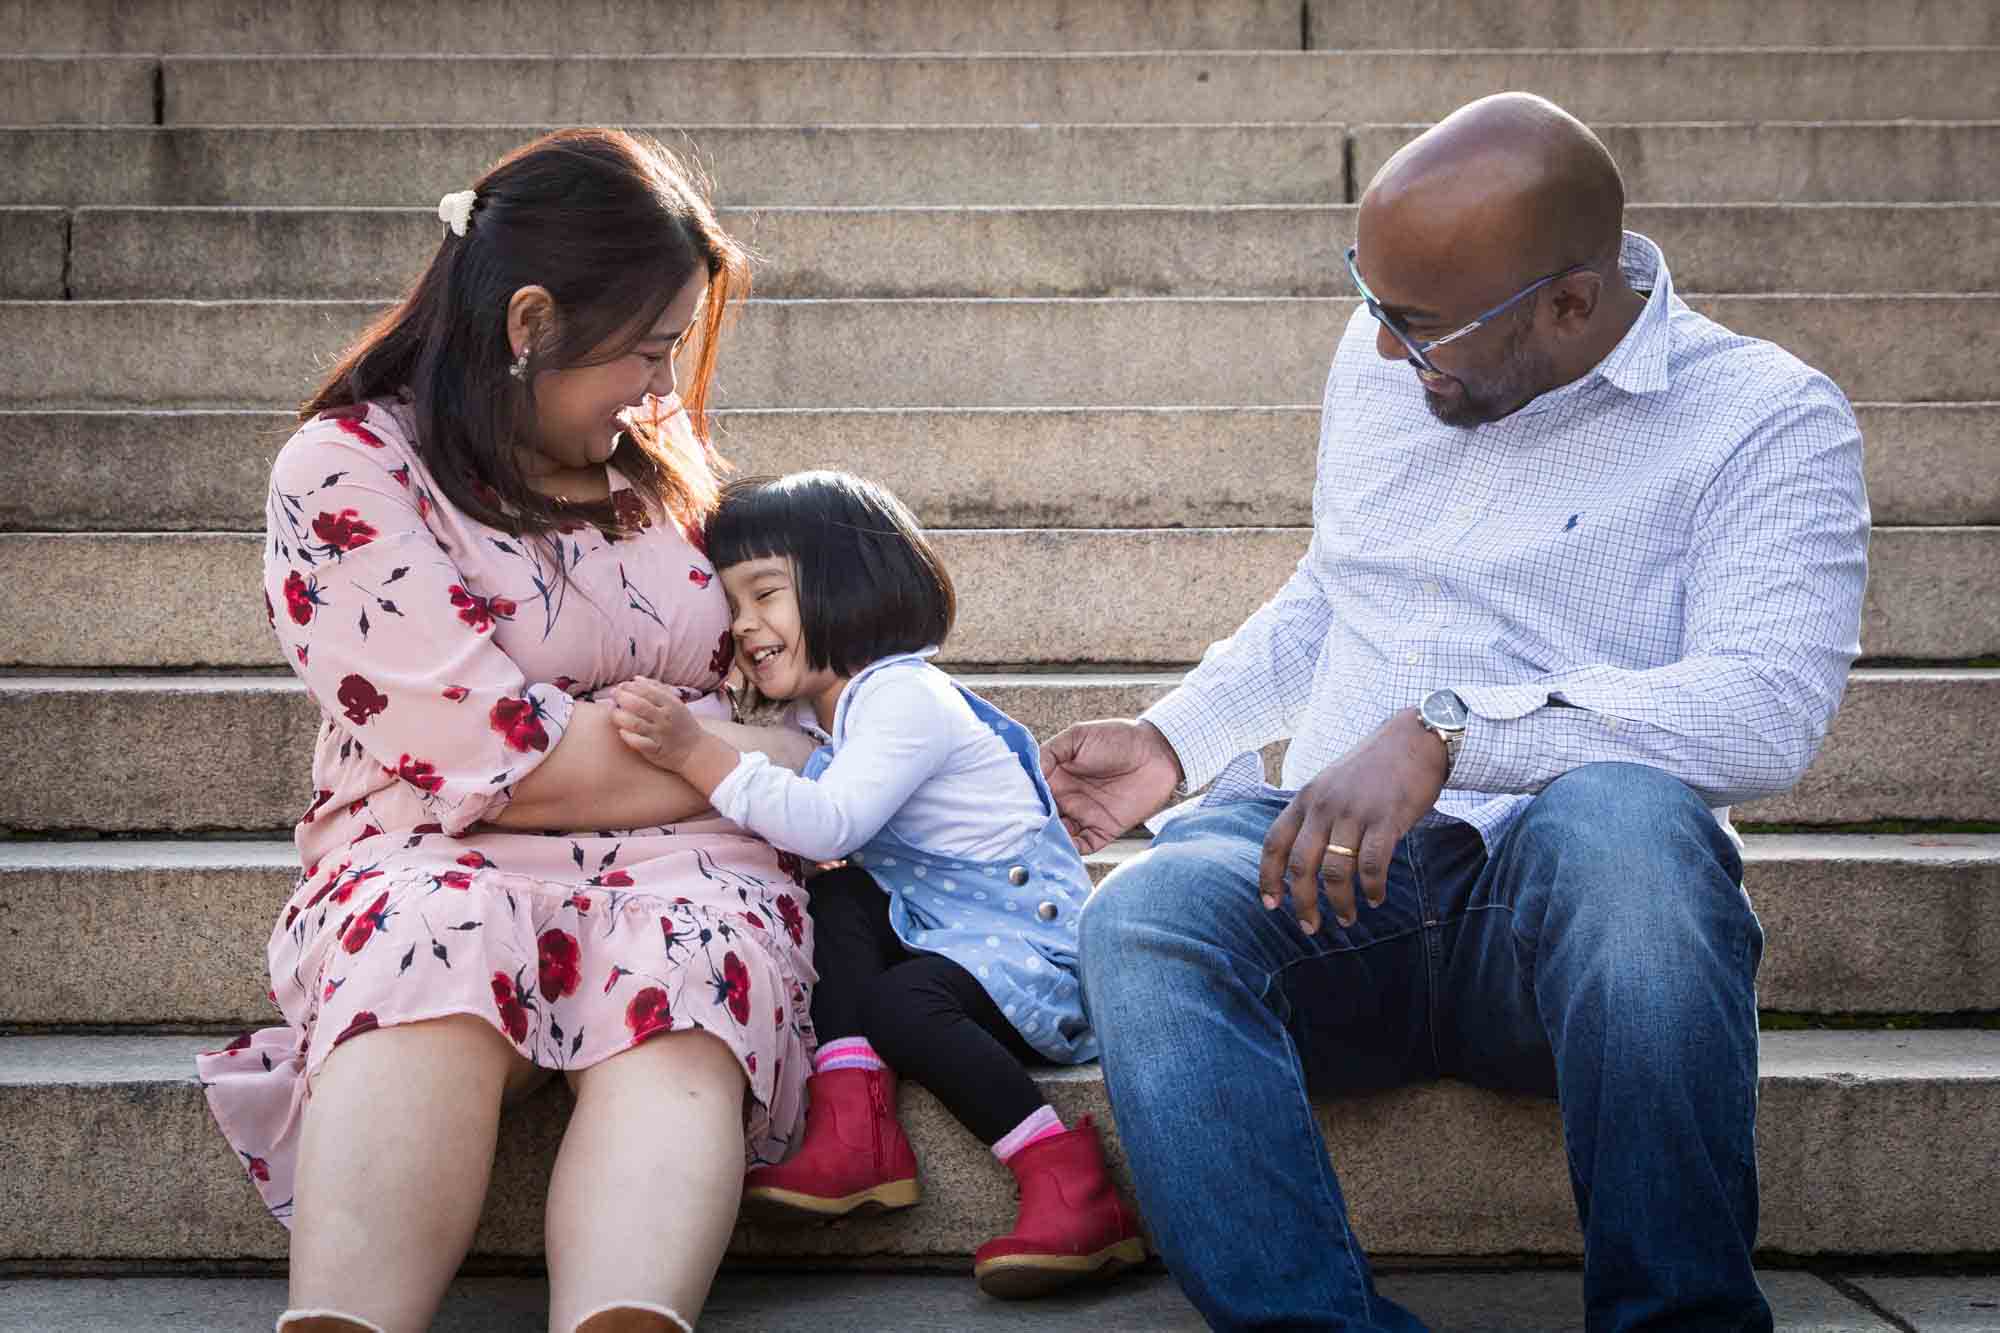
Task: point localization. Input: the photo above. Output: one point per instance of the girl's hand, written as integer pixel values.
(652, 720)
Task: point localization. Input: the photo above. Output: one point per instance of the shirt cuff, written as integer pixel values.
(1202, 747)
(1494, 752)
(730, 797)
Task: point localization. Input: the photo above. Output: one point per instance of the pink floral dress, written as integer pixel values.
(446, 657)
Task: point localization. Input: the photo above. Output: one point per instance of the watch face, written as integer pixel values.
(1442, 708)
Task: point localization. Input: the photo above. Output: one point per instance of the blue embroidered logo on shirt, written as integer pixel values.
(1572, 522)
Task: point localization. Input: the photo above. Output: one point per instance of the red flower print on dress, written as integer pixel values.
(242, 1043)
(581, 902)
(270, 614)
(343, 531)
(360, 700)
(454, 879)
(733, 986)
(258, 1168)
(558, 955)
(520, 722)
(513, 1014)
(754, 921)
(349, 419)
(612, 980)
(301, 596)
(402, 475)
(725, 653)
(476, 860)
(365, 925)
(480, 612)
(360, 1023)
(455, 692)
(794, 865)
(699, 577)
(320, 798)
(792, 920)
(346, 889)
(421, 774)
(611, 879)
(648, 1013)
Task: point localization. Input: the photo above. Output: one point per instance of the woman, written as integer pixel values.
(491, 514)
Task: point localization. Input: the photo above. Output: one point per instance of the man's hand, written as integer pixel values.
(1349, 819)
(1108, 776)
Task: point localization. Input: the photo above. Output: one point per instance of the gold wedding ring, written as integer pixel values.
(1335, 849)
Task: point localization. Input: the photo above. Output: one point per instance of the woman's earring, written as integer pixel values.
(519, 370)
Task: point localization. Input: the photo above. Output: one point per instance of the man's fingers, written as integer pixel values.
(1336, 868)
(1378, 845)
(1277, 850)
(1303, 866)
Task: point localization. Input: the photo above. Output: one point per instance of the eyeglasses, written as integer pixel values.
(1418, 350)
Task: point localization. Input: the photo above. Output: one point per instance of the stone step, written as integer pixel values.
(176, 931)
(1249, 250)
(146, 471)
(1493, 1300)
(1882, 161)
(752, 164)
(944, 353)
(1048, 595)
(116, 1158)
(1154, 87)
(1582, 24)
(1910, 161)
(197, 754)
(72, 90)
(205, 27)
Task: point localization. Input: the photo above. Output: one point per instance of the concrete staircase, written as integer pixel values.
(1066, 275)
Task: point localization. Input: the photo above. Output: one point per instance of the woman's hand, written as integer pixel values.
(653, 720)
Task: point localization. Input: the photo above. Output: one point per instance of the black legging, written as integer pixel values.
(926, 1016)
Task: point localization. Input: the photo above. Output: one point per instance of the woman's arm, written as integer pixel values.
(787, 747)
(591, 780)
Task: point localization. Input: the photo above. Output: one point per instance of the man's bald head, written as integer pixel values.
(1511, 186)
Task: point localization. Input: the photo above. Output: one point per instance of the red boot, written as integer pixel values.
(1072, 1224)
(854, 1154)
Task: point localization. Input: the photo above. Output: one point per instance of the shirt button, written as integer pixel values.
(1414, 658)
(1431, 588)
(1017, 876)
(1046, 911)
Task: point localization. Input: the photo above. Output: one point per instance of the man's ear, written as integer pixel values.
(1573, 300)
(531, 320)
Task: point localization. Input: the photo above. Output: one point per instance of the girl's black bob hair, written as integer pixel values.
(869, 585)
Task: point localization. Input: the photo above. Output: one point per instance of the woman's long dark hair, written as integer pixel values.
(614, 226)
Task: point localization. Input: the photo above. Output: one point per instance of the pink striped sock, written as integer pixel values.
(1044, 1123)
(847, 1053)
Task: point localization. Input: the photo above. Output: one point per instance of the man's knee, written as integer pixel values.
(1179, 890)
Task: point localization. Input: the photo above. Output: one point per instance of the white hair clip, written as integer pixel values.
(455, 210)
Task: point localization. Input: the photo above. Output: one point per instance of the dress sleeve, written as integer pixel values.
(374, 616)
(899, 735)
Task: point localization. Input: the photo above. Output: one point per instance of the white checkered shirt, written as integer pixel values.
(1659, 563)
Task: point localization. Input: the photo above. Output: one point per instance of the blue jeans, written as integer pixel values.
(1605, 955)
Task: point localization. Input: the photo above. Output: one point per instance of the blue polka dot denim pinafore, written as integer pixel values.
(1010, 922)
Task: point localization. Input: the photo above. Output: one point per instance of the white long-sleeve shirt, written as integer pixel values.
(909, 755)
(1659, 563)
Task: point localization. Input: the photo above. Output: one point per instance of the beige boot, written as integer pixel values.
(323, 1321)
(633, 1317)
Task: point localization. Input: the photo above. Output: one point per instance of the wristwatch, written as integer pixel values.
(1443, 714)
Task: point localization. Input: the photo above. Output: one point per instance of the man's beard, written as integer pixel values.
(1523, 373)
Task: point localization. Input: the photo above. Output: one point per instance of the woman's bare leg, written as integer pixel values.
(394, 1157)
(646, 1186)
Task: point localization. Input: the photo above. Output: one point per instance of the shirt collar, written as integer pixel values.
(1638, 364)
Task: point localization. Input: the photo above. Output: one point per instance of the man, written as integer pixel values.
(1586, 569)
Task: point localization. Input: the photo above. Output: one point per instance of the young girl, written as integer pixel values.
(947, 947)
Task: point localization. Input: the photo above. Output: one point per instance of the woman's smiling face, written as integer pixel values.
(578, 409)
(770, 635)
